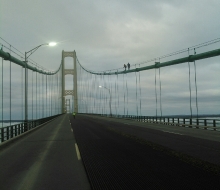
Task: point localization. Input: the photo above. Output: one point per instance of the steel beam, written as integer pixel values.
(189, 58)
(7, 56)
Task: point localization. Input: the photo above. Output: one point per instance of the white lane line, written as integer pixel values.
(71, 129)
(172, 132)
(77, 152)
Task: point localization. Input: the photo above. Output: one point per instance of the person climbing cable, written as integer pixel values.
(128, 66)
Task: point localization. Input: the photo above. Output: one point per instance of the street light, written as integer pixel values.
(110, 99)
(26, 74)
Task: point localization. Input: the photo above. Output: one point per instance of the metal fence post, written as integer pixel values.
(7, 133)
(2, 135)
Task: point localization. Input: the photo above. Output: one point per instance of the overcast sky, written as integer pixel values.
(107, 34)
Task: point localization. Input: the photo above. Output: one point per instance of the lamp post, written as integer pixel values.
(27, 54)
(110, 99)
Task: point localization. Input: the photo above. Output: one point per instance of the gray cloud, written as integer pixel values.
(107, 34)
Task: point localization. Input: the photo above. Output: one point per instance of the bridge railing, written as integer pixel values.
(12, 131)
(204, 123)
(213, 124)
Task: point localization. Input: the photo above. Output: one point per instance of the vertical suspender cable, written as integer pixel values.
(136, 91)
(104, 95)
(48, 95)
(118, 94)
(127, 93)
(140, 91)
(10, 87)
(51, 97)
(190, 88)
(22, 98)
(59, 98)
(32, 95)
(42, 95)
(96, 95)
(110, 93)
(39, 96)
(93, 92)
(115, 95)
(196, 85)
(2, 93)
(160, 95)
(46, 99)
(156, 90)
(36, 95)
(52, 78)
(55, 91)
(58, 94)
(124, 92)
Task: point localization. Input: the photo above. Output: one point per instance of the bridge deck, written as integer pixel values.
(116, 154)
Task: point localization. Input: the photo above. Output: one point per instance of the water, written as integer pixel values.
(6, 124)
(217, 118)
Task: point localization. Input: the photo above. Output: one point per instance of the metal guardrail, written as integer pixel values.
(190, 122)
(12, 131)
(212, 124)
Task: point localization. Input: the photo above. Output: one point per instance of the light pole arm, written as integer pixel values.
(107, 89)
(33, 50)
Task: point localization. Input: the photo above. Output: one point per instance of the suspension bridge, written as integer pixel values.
(133, 129)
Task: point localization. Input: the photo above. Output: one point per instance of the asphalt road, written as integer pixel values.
(119, 155)
(108, 153)
(199, 143)
(45, 159)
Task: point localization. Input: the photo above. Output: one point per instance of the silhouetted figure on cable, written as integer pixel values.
(125, 67)
(128, 66)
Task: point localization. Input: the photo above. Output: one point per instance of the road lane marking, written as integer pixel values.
(173, 132)
(77, 152)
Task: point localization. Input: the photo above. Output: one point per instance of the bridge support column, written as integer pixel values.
(71, 72)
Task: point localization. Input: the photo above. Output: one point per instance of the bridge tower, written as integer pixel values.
(69, 72)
